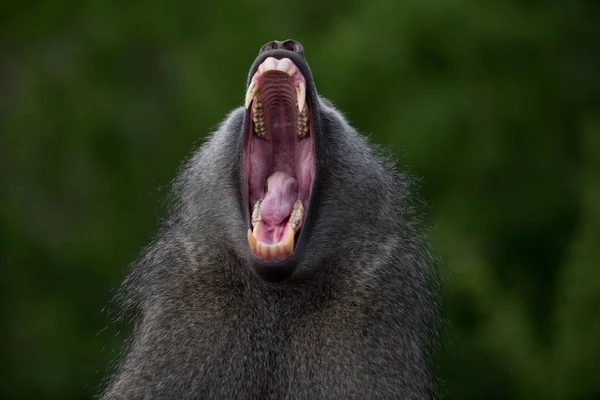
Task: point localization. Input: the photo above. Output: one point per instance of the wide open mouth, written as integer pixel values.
(278, 158)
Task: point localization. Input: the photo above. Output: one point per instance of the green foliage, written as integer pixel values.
(492, 104)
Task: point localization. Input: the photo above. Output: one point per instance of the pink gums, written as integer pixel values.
(280, 157)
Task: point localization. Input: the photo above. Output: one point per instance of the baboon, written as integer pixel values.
(291, 264)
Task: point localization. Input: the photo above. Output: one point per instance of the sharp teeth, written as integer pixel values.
(251, 241)
(250, 93)
(273, 251)
(288, 245)
(301, 94)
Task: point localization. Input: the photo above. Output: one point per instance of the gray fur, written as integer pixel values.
(355, 322)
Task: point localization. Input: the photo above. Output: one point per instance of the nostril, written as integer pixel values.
(269, 46)
(292, 45)
(289, 45)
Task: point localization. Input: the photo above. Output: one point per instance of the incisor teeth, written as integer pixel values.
(268, 65)
(301, 95)
(283, 65)
(273, 251)
(250, 93)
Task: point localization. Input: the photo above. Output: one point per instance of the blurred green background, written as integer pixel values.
(494, 105)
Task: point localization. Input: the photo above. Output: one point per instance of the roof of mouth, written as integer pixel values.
(284, 65)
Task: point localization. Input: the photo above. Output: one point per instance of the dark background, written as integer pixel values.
(493, 105)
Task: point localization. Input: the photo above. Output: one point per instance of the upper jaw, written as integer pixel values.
(287, 68)
(296, 58)
(311, 96)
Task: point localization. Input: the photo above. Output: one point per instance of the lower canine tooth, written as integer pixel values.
(288, 245)
(251, 240)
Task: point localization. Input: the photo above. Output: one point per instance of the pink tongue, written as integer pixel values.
(276, 207)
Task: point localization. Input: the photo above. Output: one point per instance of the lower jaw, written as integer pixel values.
(276, 271)
(275, 252)
(268, 250)
(282, 267)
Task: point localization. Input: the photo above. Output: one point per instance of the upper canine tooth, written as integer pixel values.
(250, 93)
(301, 94)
